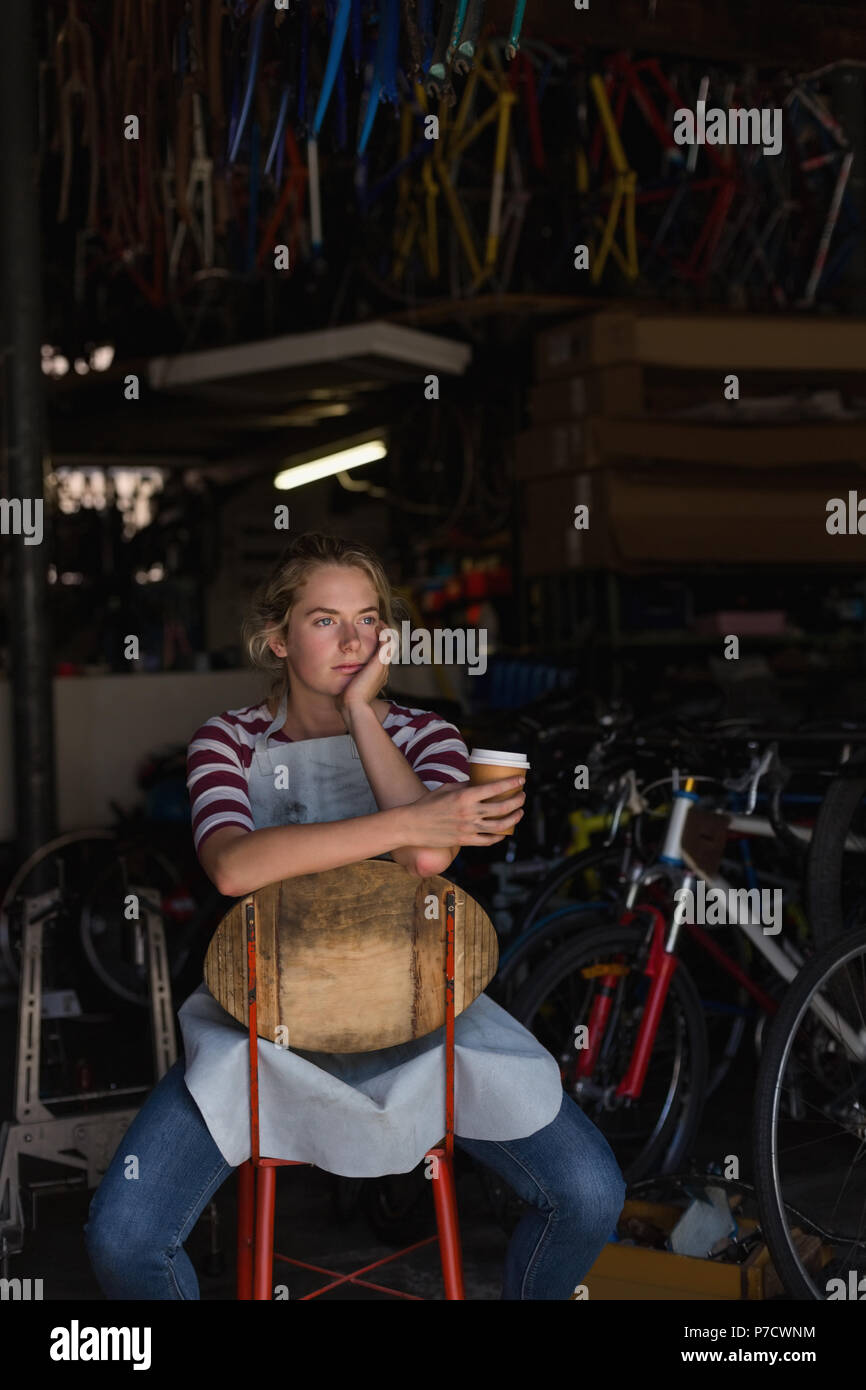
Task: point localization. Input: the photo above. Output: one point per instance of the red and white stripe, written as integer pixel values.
(220, 754)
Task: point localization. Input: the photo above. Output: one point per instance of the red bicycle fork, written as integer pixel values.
(659, 970)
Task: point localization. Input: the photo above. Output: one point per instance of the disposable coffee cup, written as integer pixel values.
(493, 765)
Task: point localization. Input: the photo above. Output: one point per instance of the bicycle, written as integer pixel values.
(836, 882)
(574, 879)
(811, 1091)
(622, 1018)
(92, 870)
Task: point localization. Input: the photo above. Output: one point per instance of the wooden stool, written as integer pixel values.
(257, 1177)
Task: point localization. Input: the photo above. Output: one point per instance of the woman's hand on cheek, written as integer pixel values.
(365, 685)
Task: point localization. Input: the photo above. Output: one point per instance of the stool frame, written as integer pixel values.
(257, 1176)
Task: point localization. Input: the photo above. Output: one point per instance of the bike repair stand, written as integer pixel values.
(87, 1141)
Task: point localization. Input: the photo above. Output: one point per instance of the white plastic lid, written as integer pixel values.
(498, 757)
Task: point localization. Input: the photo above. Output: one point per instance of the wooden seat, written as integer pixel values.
(340, 934)
(351, 960)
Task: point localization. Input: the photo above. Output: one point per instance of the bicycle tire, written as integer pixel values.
(7, 950)
(177, 954)
(527, 940)
(679, 1120)
(559, 875)
(771, 1072)
(824, 866)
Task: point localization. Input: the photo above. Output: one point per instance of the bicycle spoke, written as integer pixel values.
(816, 1077)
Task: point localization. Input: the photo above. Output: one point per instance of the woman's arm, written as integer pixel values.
(394, 784)
(241, 861)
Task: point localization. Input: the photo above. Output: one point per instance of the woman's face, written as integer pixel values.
(334, 624)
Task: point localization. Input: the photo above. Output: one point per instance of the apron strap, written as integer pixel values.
(261, 751)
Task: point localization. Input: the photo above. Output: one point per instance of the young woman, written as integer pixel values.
(366, 778)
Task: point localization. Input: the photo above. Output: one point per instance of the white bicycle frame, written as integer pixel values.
(759, 825)
(785, 962)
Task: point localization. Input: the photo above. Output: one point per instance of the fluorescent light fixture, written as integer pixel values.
(328, 464)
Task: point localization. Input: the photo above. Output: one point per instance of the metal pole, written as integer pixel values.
(22, 478)
(849, 107)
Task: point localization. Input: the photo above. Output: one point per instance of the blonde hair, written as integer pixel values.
(270, 608)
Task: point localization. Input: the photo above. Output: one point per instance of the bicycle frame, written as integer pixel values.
(662, 962)
(584, 826)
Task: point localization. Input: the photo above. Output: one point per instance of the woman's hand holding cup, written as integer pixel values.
(488, 767)
(465, 814)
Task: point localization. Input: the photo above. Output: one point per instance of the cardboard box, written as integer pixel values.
(596, 340)
(643, 518)
(562, 448)
(735, 446)
(610, 391)
(725, 342)
(550, 544)
(750, 519)
(635, 391)
(641, 1273)
(596, 442)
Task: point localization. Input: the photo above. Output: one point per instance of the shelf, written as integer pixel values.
(683, 638)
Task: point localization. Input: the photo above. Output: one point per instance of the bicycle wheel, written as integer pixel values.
(593, 873)
(836, 864)
(574, 896)
(810, 1121)
(66, 864)
(114, 945)
(558, 912)
(558, 997)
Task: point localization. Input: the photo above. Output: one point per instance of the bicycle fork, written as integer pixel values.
(659, 969)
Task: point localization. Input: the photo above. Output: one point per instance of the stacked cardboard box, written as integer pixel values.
(610, 431)
(726, 342)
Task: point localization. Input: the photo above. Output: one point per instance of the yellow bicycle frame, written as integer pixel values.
(417, 210)
(623, 191)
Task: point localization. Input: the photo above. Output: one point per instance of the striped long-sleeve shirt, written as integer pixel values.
(221, 751)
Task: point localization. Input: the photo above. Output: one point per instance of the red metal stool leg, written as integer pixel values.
(257, 1177)
(445, 1202)
(444, 1196)
(265, 1176)
(264, 1247)
(246, 1203)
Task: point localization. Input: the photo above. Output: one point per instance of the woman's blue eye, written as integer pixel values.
(368, 619)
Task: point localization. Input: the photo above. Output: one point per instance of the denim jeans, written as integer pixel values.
(137, 1226)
